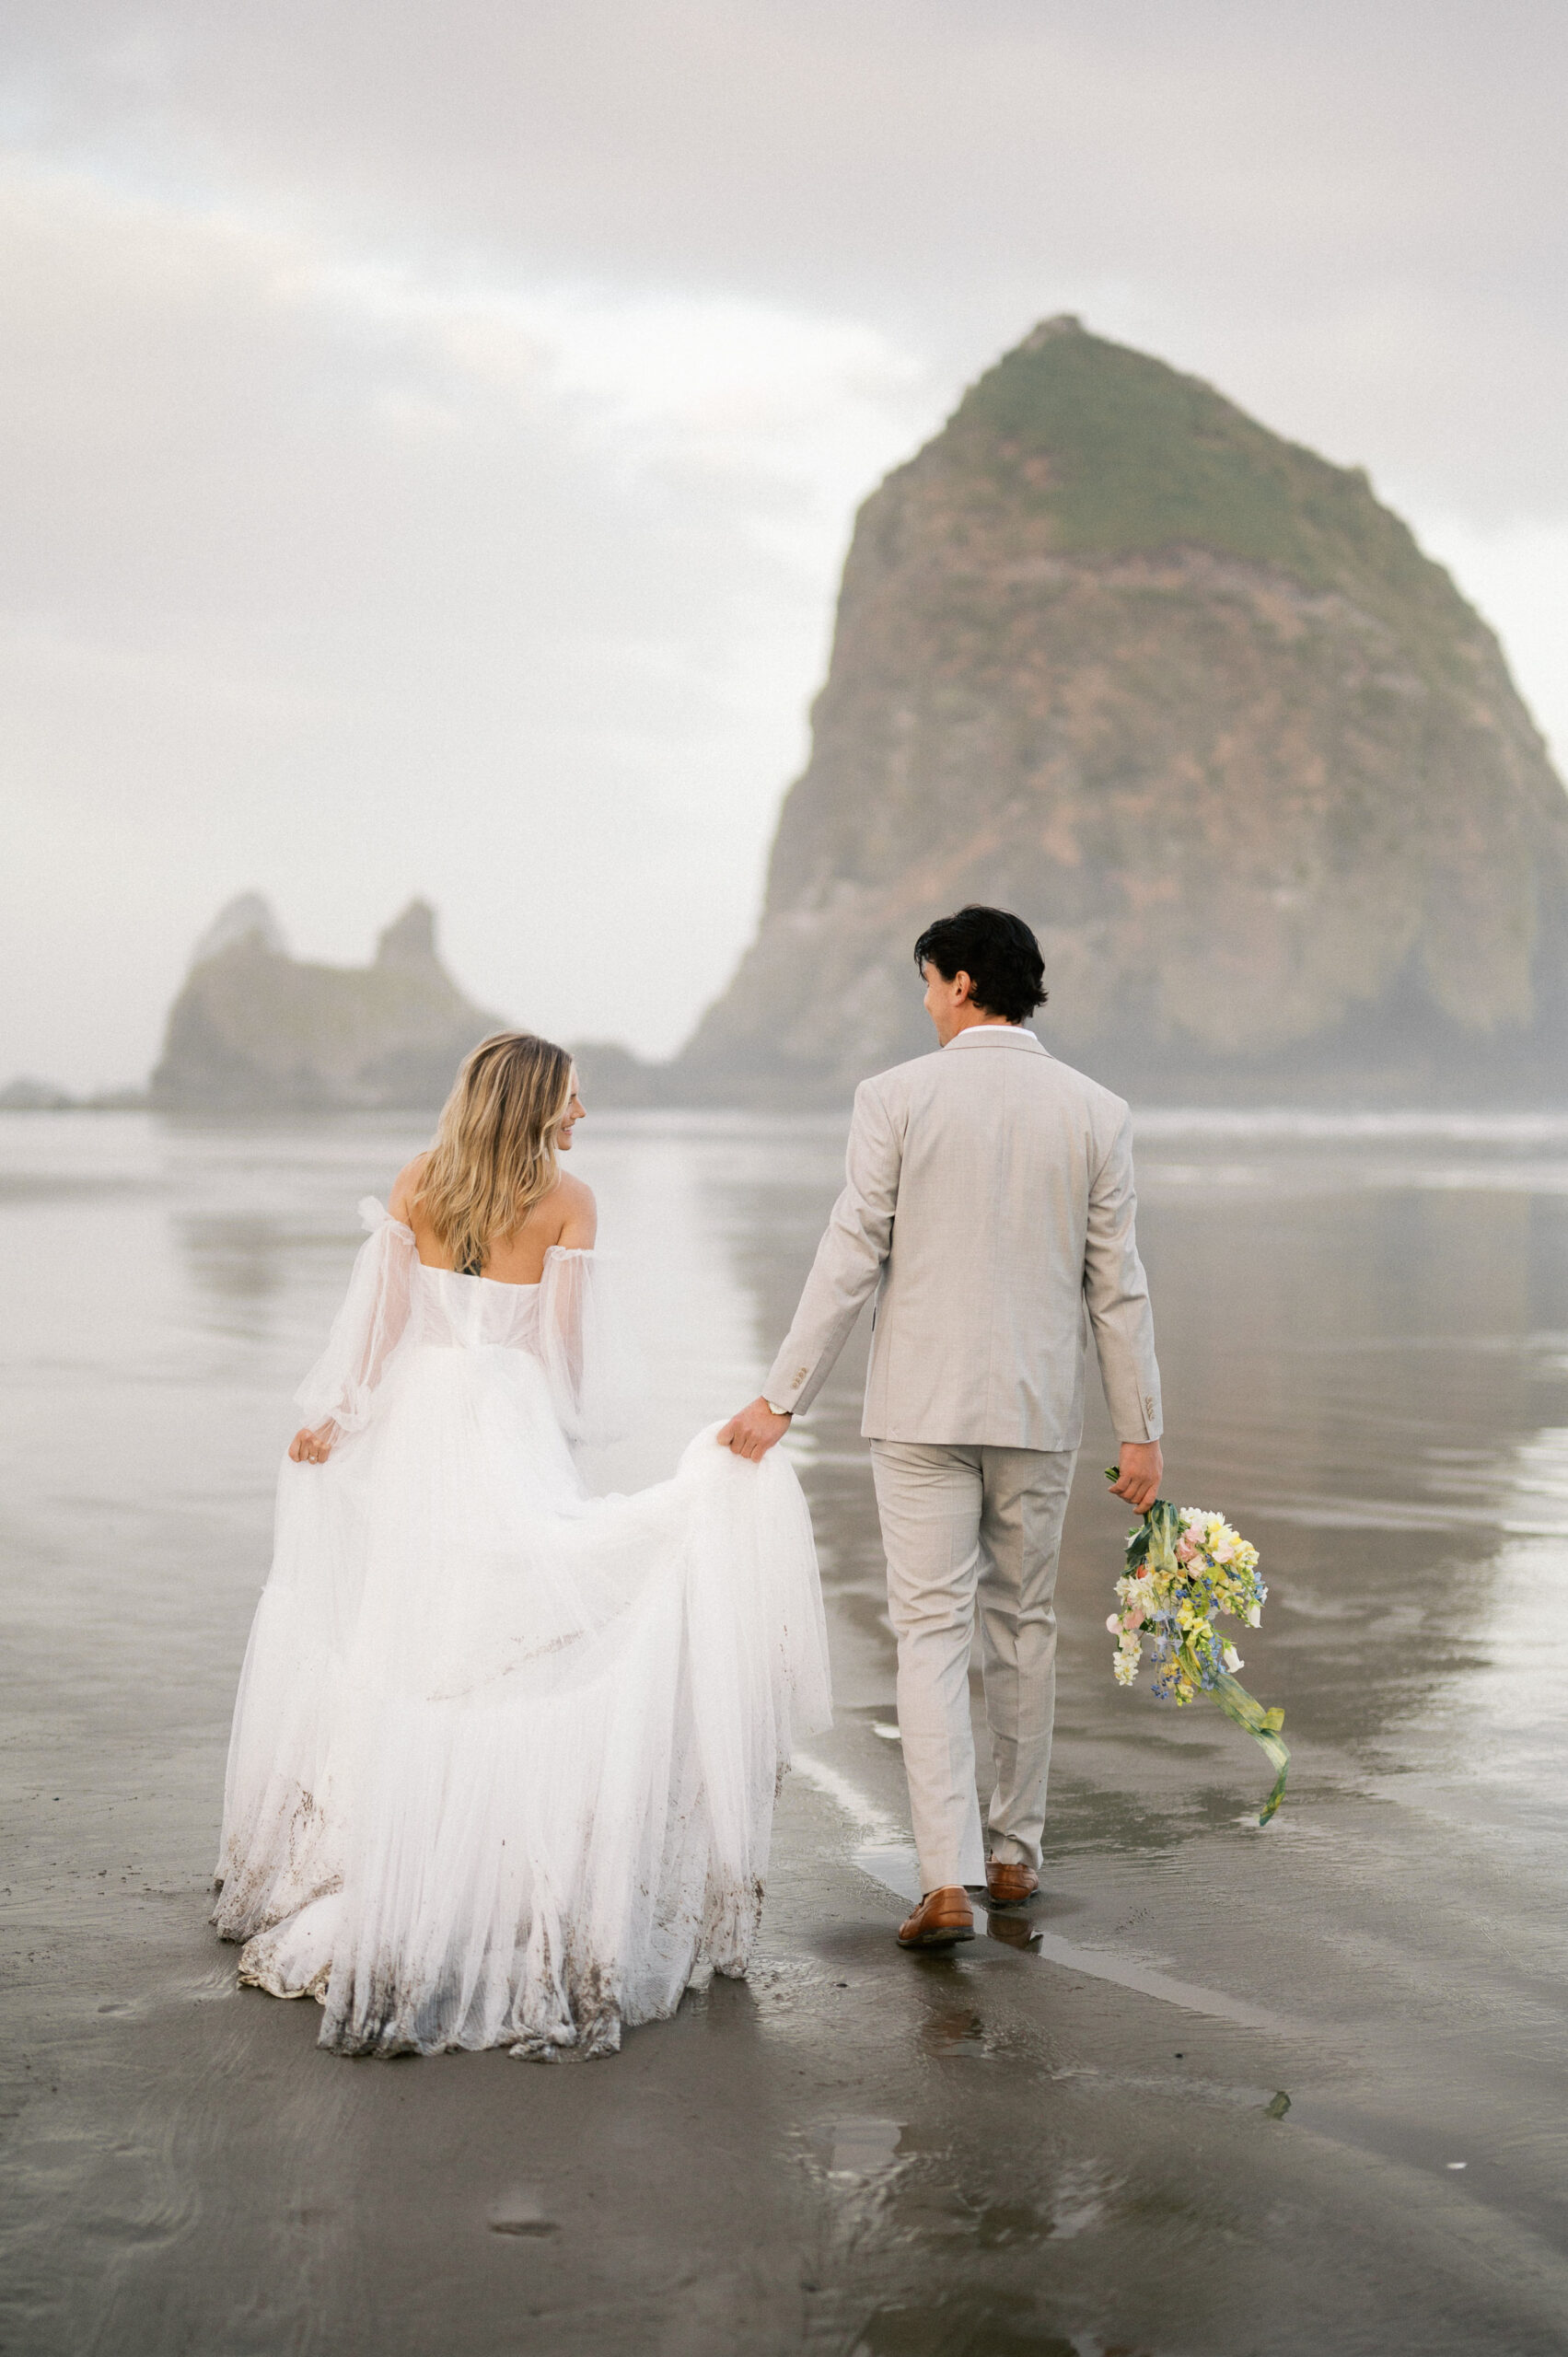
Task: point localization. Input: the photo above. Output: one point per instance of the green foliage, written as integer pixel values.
(1126, 454)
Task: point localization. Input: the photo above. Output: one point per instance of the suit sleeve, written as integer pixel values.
(850, 1258)
(1116, 1292)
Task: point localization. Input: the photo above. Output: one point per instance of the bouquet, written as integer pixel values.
(1184, 1567)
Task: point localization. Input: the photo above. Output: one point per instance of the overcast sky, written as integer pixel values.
(431, 432)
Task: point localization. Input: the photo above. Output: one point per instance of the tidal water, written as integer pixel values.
(1363, 1328)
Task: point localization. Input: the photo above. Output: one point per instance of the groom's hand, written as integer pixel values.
(1138, 1466)
(754, 1430)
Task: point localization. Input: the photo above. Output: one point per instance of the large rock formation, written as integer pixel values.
(1190, 699)
(256, 1030)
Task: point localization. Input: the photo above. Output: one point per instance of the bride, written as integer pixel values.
(504, 1754)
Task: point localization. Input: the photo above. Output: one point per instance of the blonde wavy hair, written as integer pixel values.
(494, 1152)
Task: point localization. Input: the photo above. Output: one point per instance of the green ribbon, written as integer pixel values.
(1154, 1545)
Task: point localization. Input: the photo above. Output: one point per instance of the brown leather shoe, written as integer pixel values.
(1009, 1885)
(942, 1918)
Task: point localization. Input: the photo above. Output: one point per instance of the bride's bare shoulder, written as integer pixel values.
(405, 1188)
(572, 1200)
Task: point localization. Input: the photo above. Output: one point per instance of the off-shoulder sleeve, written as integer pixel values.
(342, 1384)
(589, 1358)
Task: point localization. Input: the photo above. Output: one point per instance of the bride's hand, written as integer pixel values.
(754, 1430)
(310, 1448)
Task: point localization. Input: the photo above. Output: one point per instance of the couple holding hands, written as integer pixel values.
(504, 1754)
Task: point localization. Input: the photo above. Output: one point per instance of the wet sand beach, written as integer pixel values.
(1220, 2091)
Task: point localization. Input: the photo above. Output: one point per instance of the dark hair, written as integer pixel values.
(998, 953)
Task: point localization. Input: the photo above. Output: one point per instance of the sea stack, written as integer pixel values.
(1192, 700)
(254, 1030)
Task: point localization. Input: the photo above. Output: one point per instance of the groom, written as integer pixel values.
(989, 1206)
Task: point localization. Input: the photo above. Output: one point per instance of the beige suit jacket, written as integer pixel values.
(989, 1205)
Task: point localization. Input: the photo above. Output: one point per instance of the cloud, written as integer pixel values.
(433, 433)
(345, 582)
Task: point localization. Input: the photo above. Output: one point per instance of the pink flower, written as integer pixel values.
(1185, 1549)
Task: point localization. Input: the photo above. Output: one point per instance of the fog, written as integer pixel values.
(433, 434)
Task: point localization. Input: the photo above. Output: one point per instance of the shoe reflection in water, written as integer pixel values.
(1012, 1931)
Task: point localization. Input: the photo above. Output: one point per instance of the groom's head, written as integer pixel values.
(980, 966)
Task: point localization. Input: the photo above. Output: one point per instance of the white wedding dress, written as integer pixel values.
(504, 1754)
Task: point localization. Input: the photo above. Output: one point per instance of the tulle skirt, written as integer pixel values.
(505, 1757)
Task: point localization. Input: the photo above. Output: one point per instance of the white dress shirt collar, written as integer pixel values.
(999, 1035)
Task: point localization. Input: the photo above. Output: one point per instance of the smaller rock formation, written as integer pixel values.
(26, 1095)
(256, 1030)
(245, 918)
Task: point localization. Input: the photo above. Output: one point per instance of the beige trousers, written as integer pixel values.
(962, 1523)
